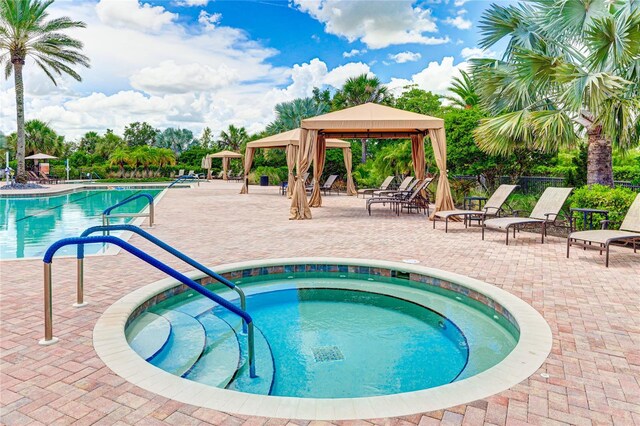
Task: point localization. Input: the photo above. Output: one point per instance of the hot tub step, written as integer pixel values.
(220, 359)
(185, 345)
(148, 334)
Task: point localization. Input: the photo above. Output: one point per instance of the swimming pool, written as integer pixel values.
(29, 225)
(335, 339)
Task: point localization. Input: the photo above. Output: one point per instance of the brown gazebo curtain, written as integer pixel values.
(319, 156)
(417, 155)
(248, 160)
(299, 205)
(444, 200)
(225, 168)
(348, 158)
(292, 154)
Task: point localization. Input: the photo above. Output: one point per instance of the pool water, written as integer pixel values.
(28, 226)
(324, 337)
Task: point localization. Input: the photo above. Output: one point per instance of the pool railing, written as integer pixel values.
(106, 214)
(48, 308)
(184, 178)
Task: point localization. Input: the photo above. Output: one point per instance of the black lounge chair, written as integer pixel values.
(411, 200)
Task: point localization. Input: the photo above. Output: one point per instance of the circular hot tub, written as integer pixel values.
(332, 339)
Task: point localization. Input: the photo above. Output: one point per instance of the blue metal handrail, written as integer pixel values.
(183, 178)
(48, 259)
(161, 244)
(107, 212)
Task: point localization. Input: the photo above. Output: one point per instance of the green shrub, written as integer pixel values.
(627, 173)
(616, 200)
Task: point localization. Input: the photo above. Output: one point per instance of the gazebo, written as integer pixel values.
(226, 157)
(289, 141)
(369, 121)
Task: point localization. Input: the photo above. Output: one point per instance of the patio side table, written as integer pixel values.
(468, 203)
(587, 216)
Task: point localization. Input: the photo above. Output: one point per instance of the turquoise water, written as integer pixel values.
(325, 342)
(28, 226)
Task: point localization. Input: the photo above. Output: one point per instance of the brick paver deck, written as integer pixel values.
(594, 312)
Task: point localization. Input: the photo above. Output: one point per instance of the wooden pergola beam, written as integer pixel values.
(371, 135)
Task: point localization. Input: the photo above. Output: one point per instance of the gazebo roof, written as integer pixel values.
(291, 137)
(226, 154)
(372, 119)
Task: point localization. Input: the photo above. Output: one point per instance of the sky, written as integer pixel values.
(212, 63)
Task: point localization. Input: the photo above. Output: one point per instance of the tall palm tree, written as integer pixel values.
(39, 137)
(232, 138)
(360, 90)
(571, 68)
(25, 32)
(465, 91)
(290, 114)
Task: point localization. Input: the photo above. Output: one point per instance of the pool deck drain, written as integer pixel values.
(594, 312)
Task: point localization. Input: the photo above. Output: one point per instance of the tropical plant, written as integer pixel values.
(570, 68)
(465, 91)
(120, 157)
(25, 32)
(290, 114)
(177, 140)
(109, 143)
(360, 90)
(232, 138)
(39, 137)
(140, 134)
(89, 141)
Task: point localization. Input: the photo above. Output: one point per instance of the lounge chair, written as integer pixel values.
(32, 176)
(328, 184)
(411, 200)
(383, 186)
(493, 207)
(48, 178)
(546, 211)
(629, 233)
(404, 186)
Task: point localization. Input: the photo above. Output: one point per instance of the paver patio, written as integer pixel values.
(594, 312)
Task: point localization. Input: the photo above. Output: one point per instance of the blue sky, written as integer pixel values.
(197, 63)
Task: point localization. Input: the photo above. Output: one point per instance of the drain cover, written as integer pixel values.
(327, 353)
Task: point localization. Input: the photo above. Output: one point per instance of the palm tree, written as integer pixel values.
(164, 157)
(465, 91)
(120, 157)
(232, 138)
(39, 137)
(360, 90)
(570, 68)
(24, 32)
(290, 114)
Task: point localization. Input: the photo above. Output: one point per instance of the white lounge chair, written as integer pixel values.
(629, 233)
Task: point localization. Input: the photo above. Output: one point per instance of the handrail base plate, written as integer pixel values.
(80, 305)
(45, 342)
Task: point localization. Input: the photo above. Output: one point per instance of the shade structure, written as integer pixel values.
(372, 120)
(290, 141)
(40, 157)
(226, 156)
(206, 164)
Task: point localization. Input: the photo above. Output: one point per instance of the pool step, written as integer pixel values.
(185, 345)
(220, 359)
(148, 334)
(263, 361)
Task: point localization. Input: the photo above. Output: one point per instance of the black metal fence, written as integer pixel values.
(537, 184)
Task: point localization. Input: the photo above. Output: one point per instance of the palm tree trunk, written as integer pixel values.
(364, 150)
(599, 160)
(21, 175)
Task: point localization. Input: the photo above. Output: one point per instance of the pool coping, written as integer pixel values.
(111, 249)
(524, 360)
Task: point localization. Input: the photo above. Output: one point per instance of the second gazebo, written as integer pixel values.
(226, 157)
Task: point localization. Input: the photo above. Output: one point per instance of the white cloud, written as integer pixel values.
(436, 77)
(192, 2)
(378, 24)
(476, 52)
(170, 77)
(459, 2)
(337, 76)
(353, 52)
(132, 14)
(209, 20)
(459, 21)
(403, 57)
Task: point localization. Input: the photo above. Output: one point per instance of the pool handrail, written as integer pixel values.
(183, 178)
(107, 212)
(158, 242)
(48, 311)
